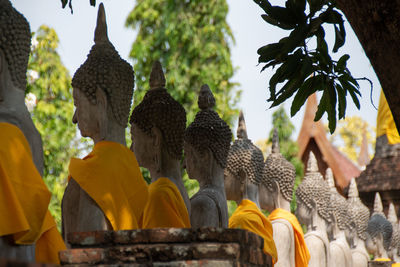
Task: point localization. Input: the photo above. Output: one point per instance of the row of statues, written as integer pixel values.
(106, 189)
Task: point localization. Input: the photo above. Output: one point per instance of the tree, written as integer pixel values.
(191, 40)
(303, 67)
(288, 147)
(50, 82)
(350, 133)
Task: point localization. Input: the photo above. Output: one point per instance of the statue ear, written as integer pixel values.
(101, 99)
(275, 186)
(157, 136)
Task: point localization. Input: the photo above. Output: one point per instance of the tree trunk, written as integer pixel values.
(377, 26)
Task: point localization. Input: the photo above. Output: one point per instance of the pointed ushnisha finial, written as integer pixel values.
(353, 191)
(330, 180)
(312, 165)
(206, 98)
(392, 216)
(241, 131)
(157, 78)
(378, 207)
(275, 142)
(100, 34)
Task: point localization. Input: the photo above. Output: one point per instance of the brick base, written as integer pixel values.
(167, 247)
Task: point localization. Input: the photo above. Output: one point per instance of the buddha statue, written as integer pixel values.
(394, 252)
(158, 127)
(207, 140)
(276, 193)
(27, 230)
(379, 237)
(314, 210)
(360, 215)
(243, 174)
(106, 190)
(342, 228)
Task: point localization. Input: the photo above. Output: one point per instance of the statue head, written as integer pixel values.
(278, 178)
(207, 139)
(245, 164)
(103, 87)
(357, 210)
(15, 43)
(158, 123)
(379, 234)
(313, 194)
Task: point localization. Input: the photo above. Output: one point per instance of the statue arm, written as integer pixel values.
(283, 238)
(204, 212)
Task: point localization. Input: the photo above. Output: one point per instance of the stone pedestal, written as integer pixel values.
(166, 247)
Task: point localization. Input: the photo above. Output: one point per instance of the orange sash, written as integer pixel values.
(302, 255)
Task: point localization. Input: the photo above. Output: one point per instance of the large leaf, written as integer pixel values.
(310, 86)
(331, 107)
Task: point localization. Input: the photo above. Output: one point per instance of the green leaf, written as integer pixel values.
(310, 86)
(339, 39)
(342, 101)
(322, 106)
(269, 52)
(93, 2)
(341, 64)
(296, 38)
(331, 107)
(277, 23)
(347, 86)
(332, 16)
(64, 3)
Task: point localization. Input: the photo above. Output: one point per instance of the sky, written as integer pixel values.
(250, 31)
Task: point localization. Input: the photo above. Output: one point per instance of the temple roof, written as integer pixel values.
(343, 168)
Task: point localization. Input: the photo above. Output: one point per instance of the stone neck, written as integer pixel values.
(281, 202)
(250, 192)
(359, 244)
(215, 179)
(381, 252)
(317, 223)
(113, 132)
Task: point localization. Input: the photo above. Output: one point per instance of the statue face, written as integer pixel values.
(232, 186)
(266, 198)
(303, 213)
(142, 146)
(371, 244)
(196, 165)
(86, 115)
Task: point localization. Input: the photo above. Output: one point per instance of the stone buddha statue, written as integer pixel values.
(243, 174)
(276, 193)
(314, 210)
(207, 140)
(14, 56)
(379, 236)
(360, 215)
(394, 252)
(341, 227)
(26, 227)
(158, 127)
(106, 190)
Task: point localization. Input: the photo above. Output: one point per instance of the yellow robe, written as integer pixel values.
(166, 207)
(302, 255)
(385, 122)
(249, 217)
(111, 176)
(24, 198)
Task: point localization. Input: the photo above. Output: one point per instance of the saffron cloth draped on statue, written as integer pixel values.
(385, 122)
(302, 255)
(165, 207)
(111, 176)
(249, 217)
(24, 198)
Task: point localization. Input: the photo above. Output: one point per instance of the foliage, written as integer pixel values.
(69, 2)
(350, 133)
(288, 147)
(191, 40)
(50, 82)
(302, 61)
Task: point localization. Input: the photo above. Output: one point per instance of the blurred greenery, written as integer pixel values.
(50, 82)
(191, 39)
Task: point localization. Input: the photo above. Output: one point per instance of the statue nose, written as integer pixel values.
(74, 118)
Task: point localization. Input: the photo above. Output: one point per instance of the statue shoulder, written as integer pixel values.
(283, 227)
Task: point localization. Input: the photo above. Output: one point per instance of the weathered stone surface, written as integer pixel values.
(166, 247)
(13, 263)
